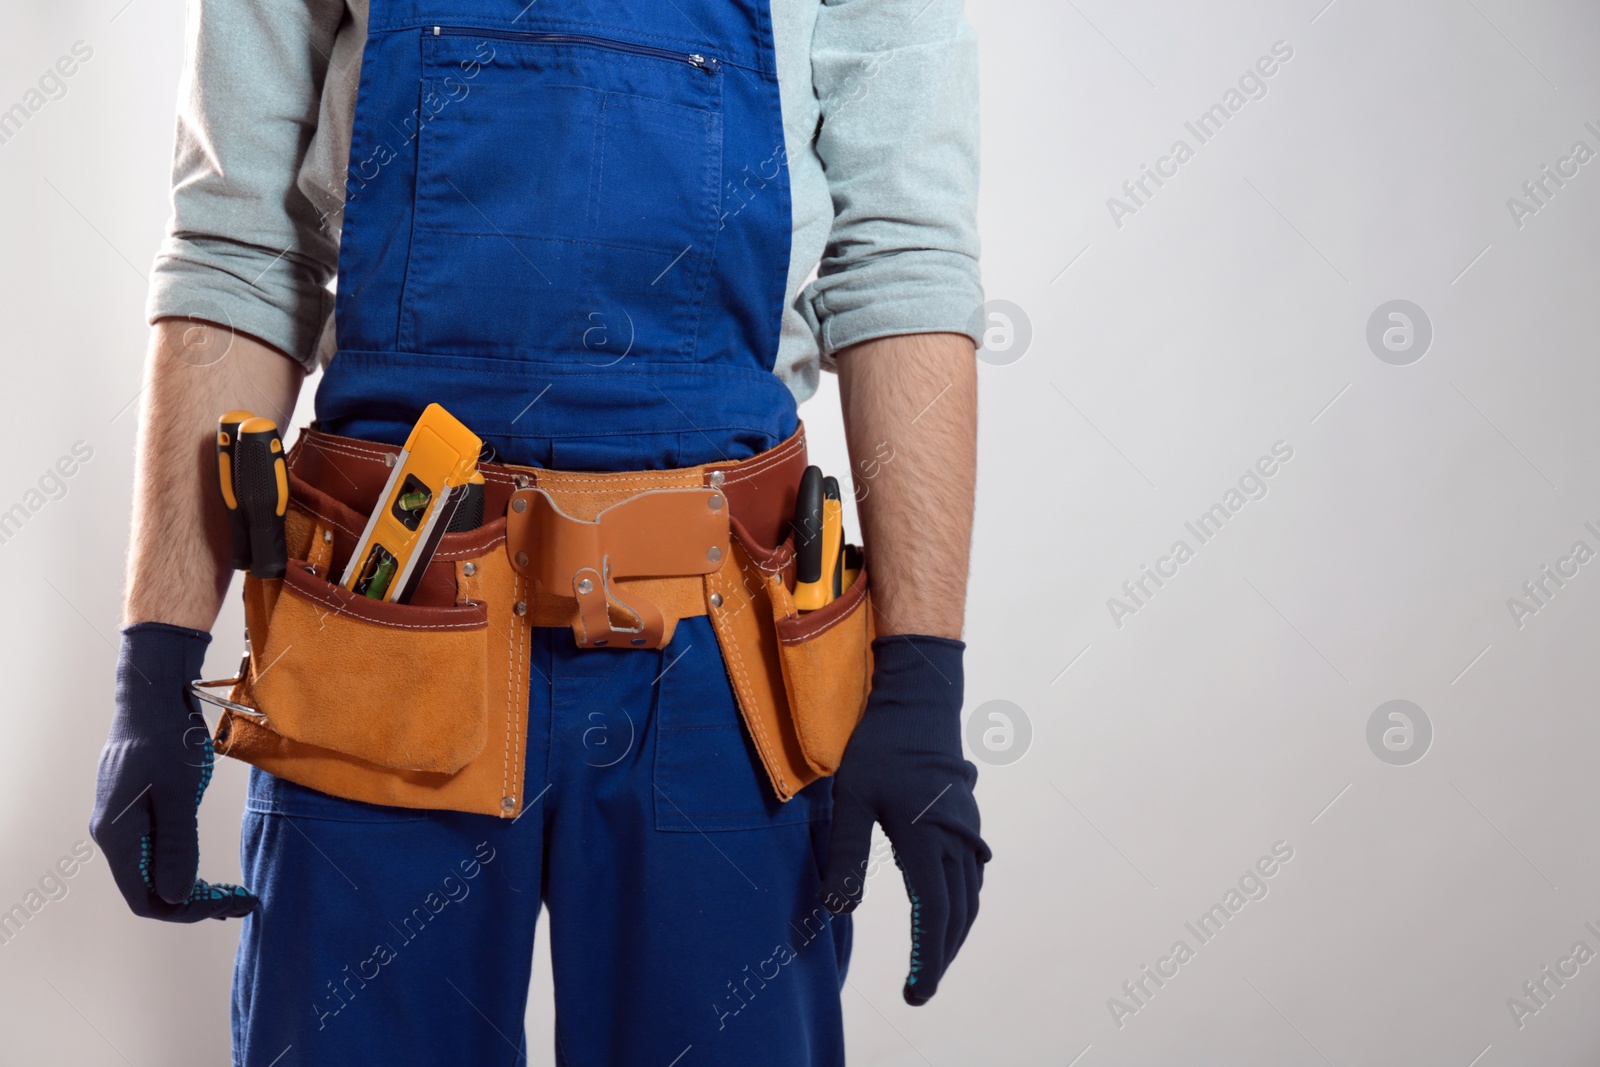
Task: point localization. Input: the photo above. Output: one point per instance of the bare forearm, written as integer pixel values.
(177, 561)
(911, 417)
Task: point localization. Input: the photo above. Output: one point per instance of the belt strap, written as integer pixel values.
(618, 556)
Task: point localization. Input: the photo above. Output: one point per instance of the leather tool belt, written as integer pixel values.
(425, 704)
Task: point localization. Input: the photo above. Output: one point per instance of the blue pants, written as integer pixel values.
(684, 921)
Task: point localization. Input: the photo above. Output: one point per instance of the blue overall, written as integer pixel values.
(550, 230)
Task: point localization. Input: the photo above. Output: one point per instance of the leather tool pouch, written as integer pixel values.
(801, 680)
(352, 685)
(399, 685)
(424, 704)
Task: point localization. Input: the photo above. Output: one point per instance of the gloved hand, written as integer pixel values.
(903, 768)
(153, 770)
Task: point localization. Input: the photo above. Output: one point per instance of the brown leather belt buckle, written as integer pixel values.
(656, 534)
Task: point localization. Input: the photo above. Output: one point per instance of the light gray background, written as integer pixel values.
(1167, 355)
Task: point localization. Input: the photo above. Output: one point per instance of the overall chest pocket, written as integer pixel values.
(567, 197)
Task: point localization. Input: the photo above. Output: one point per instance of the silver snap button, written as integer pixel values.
(522, 559)
(520, 607)
(508, 803)
(714, 554)
(716, 600)
(585, 586)
(716, 503)
(327, 537)
(469, 569)
(519, 505)
(716, 479)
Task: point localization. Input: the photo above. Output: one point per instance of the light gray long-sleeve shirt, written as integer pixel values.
(880, 112)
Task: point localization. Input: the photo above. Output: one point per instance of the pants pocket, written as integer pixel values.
(708, 774)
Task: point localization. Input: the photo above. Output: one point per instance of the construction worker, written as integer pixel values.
(589, 231)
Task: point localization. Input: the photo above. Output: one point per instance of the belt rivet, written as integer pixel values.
(327, 537)
(714, 554)
(522, 559)
(716, 600)
(469, 569)
(716, 503)
(585, 586)
(523, 481)
(508, 803)
(388, 459)
(520, 607)
(716, 479)
(519, 505)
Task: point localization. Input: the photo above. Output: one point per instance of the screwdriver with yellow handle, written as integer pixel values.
(818, 540)
(261, 487)
(832, 538)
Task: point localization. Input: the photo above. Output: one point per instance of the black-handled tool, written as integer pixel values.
(808, 527)
(227, 443)
(809, 592)
(469, 512)
(261, 485)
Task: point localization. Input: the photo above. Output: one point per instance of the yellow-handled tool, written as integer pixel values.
(261, 488)
(227, 443)
(818, 540)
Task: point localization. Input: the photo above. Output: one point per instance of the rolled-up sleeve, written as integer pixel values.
(246, 246)
(897, 82)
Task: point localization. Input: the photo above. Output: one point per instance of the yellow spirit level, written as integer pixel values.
(429, 481)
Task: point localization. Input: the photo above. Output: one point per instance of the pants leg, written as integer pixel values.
(685, 921)
(385, 935)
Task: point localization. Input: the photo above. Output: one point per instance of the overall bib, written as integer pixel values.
(552, 228)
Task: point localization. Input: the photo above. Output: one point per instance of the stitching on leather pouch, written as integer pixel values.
(330, 520)
(339, 609)
(352, 451)
(349, 446)
(471, 554)
(806, 635)
(320, 555)
(758, 464)
(519, 706)
(557, 489)
(745, 691)
(777, 455)
(512, 682)
(780, 559)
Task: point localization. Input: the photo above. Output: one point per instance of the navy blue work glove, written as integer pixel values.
(903, 768)
(153, 770)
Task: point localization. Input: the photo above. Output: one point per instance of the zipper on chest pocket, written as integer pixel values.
(709, 64)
